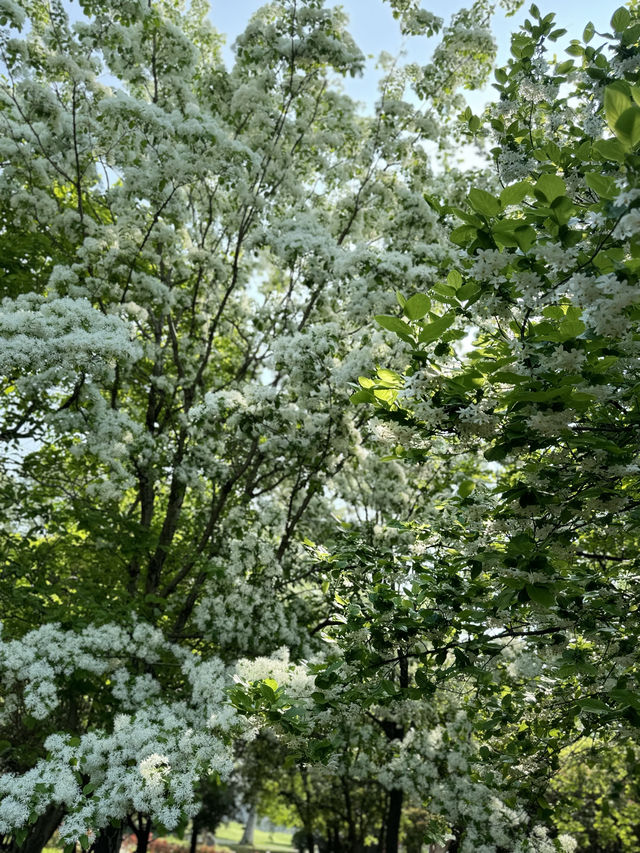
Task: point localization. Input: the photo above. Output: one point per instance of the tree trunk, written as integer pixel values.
(249, 827)
(310, 842)
(40, 831)
(383, 825)
(193, 845)
(108, 840)
(142, 835)
(393, 821)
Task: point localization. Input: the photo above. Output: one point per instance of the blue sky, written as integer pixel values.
(374, 29)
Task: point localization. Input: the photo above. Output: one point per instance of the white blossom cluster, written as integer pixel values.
(152, 755)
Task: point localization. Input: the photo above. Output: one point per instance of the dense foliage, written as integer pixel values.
(426, 595)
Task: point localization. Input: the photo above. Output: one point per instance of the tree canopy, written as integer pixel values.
(222, 552)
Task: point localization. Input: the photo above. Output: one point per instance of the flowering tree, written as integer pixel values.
(520, 390)
(190, 256)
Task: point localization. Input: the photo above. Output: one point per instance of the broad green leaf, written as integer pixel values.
(390, 377)
(616, 100)
(627, 127)
(417, 306)
(484, 203)
(541, 594)
(454, 279)
(515, 193)
(626, 697)
(570, 329)
(497, 453)
(365, 382)
(463, 235)
(551, 186)
(630, 35)
(610, 149)
(525, 237)
(387, 395)
(601, 184)
(593, 706)
(465, 488)
(468, 291)
(393, 324)
(432, 331)
(361, 397)
(620, 19)
(588, 33)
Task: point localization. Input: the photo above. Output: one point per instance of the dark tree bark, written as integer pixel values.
(108, 839)
(142, 831)
(40, 832)
(396, 795)
(394, 815)
(383, 826)
(193, 843)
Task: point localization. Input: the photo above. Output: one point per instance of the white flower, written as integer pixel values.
(154, 769)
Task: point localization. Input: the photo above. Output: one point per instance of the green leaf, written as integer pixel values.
(588, 33)
(610, 149)
(570, 329)
(564, 67)
(474, 123)
(393, 324)
(593, 706)
(603, 185)
(525, 237)
(616, 100)
(496, 453)
(575, 48)
(631, 35)
(454, 279)
(626, 697)
(84, 842)
(484, 203)
(432, 331)
(550, 186)
(514, 193)
(417, 306)
(465, 488)
(463, 235)
(390, 377)
(541, 594)
(361, 397)
(620, 19)
(468, 291)
(627, 127)
(387, 395)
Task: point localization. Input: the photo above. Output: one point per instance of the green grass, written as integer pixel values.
(229, 835)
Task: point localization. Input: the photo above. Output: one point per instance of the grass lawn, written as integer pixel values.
(229, 834)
